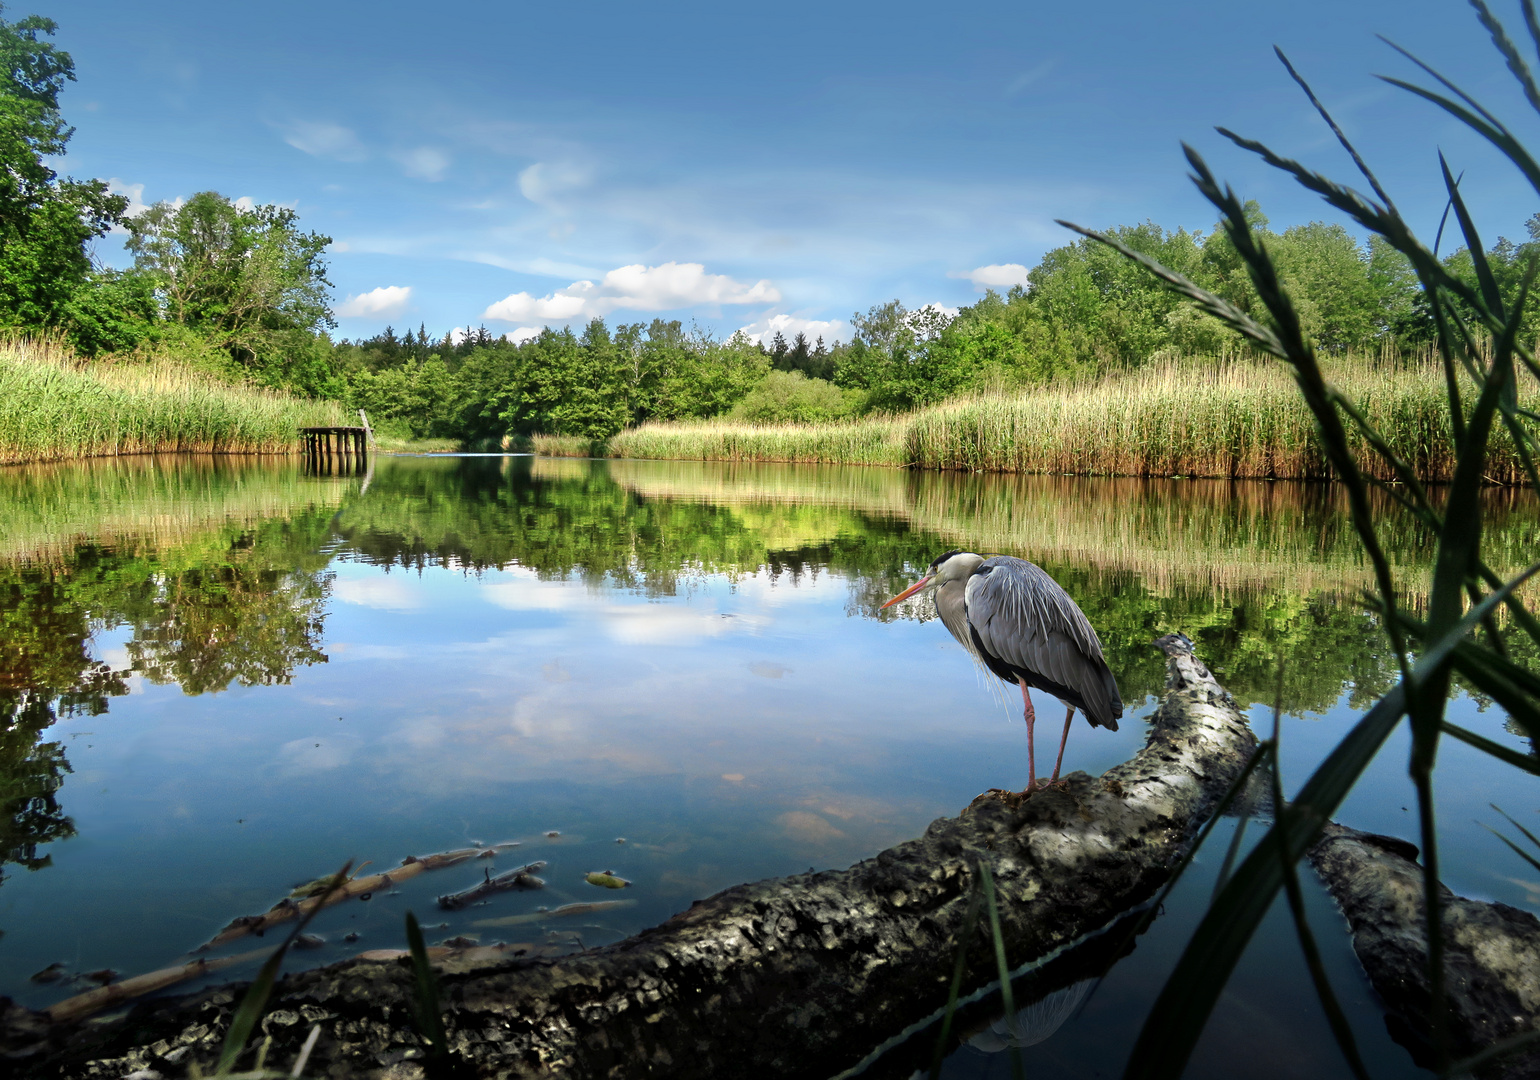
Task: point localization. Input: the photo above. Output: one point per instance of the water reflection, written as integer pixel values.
(285, 670)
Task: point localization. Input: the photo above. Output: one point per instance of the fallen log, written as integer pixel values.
(1491, 951)
(519, 878)
(290, 908)
(799, 976)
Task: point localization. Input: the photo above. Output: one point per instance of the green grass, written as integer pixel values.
(1233, 419)
(54, 407)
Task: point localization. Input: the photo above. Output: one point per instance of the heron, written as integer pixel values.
(1020, 624)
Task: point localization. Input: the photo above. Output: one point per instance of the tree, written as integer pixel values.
(248, 278)
(45, 222)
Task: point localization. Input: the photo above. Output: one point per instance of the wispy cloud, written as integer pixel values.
(385, 300)
(669, 287)
(321, 139)
(544, 181)
(994, 276)
(424, 163)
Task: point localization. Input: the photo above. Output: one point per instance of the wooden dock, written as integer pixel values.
(333, 443)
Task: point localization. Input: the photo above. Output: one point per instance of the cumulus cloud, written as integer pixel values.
(668, 287)
(544, 181)
(320, 139)
(523, 334)
(789, 326)
(134, 192)
(994, 276)
(424, 163)
(385, 300)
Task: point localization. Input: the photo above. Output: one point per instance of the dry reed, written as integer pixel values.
(54, 407)
(1232, 419)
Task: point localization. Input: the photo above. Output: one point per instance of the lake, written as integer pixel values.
(223, 677)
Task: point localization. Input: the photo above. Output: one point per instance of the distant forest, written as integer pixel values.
(241, 291)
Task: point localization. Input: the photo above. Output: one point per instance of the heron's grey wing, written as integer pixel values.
(1023, 617)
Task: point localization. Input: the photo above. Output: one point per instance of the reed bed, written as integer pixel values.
(876, 440)
(53, 407)
(1232, 420)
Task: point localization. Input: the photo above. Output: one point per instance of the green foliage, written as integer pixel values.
(248, 279)
(112, 312)
(791, 397)
(481, 389)
(45, 221)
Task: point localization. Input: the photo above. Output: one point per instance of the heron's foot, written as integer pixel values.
(1044, 785)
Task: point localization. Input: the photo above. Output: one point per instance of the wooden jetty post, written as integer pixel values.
(327, 449)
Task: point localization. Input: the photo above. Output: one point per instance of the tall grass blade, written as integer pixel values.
(1495, 134)
(1237, 787)
(1531, 23)
(1527, 834)
(1510, 53)
(1181, 1011)
(1221, 309)
(427, 1011)
(1528, 762)
(304, 1052)
(965, 935)
(1473, 1065)
(1336, 1019)
(1358, 160)
(1488, 283)
(255, 1001)
(1007, 995)
(1520, 852)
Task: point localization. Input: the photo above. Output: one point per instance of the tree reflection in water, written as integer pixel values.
(248, 611)
(219, 574)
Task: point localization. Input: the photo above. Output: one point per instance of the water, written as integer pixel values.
(223, 678)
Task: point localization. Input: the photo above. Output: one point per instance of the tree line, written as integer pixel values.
(242, 291)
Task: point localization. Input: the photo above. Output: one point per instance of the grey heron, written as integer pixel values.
(1019, 623)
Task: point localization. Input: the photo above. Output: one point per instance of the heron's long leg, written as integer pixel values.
(1067, 718)
(1026, 700)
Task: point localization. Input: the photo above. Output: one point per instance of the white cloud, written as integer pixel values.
(668, 287)
(528, 593)
(135, 193)
(523, 334)
(789, 326)
(320, 139)
(384, 593)
(994, 276)
(543, 181)
(424, 163)
(385, 300)
(318, 753)
(246, 203)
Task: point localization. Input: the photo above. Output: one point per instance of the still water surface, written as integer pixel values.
(222, 678)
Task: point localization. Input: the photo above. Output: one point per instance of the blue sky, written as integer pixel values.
(743, 166)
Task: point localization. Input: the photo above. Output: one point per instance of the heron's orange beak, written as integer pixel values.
(910, 591)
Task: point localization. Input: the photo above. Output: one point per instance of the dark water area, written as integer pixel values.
(221, 678)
